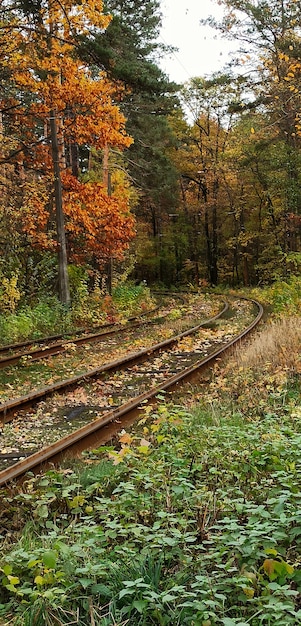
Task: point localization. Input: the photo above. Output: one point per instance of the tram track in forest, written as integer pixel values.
(48, 346)
(75, 358)
(38, 347)
(126, 383)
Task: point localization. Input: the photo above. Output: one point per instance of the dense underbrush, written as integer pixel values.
(20, 321)
(191, 519)
(283, 296)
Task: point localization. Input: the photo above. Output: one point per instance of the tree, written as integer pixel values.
(57, 109)
(128, 51)
(269, 33)
(204, 175)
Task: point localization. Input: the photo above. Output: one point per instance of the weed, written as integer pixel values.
(202, 529)
(278, 345)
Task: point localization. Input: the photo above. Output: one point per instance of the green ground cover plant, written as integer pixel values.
(127, 296)
(283, 296)
(192, 519)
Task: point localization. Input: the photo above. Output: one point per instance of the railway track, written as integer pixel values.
(94, 405)
(53, 344)
(11, 347)
(73, 358)
(48, 346)
(62, 346)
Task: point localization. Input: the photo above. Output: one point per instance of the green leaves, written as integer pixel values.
(49, 559)
(203, 528)
(276, 568)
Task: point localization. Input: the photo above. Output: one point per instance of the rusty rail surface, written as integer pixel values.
(9, 408)
(55, 348)
(89, 435)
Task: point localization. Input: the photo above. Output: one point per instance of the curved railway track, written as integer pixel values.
(53, 344)
(11, 347)
(72, 358)
(56, 348)
(49, 346)
(128, 382)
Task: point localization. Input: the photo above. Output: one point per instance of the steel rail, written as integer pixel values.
(67, 335)
(56, 348)
(49, 338)
(9, 408)
(89, 435)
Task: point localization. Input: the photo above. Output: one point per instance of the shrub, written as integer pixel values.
(49, 316)
(9, 294)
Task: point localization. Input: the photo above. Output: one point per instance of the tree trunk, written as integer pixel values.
(208, 242)
(60, 222)
(214, 248)
(107, 184)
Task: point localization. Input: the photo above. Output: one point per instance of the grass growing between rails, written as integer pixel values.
(191, 519)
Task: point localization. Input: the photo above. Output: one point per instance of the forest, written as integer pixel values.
(105, 177)
(124, 194)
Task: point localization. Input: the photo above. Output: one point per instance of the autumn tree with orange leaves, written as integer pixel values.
(54, 111)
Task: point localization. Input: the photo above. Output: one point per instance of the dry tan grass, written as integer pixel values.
(278, 344)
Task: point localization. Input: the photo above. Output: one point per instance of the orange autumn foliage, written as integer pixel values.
(96, 221)
(49, 80)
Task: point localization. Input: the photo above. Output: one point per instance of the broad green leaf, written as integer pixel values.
(85, 582)
(168, 597)
(101, 589)
(133, 583)
(49, 559)
(33, 563)
(126, 592)
(271, 551)
(140, 605)
(42, 511)
(143, 449)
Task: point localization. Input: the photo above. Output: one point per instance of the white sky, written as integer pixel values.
(199, 53)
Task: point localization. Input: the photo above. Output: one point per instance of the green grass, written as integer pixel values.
(45, 318)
